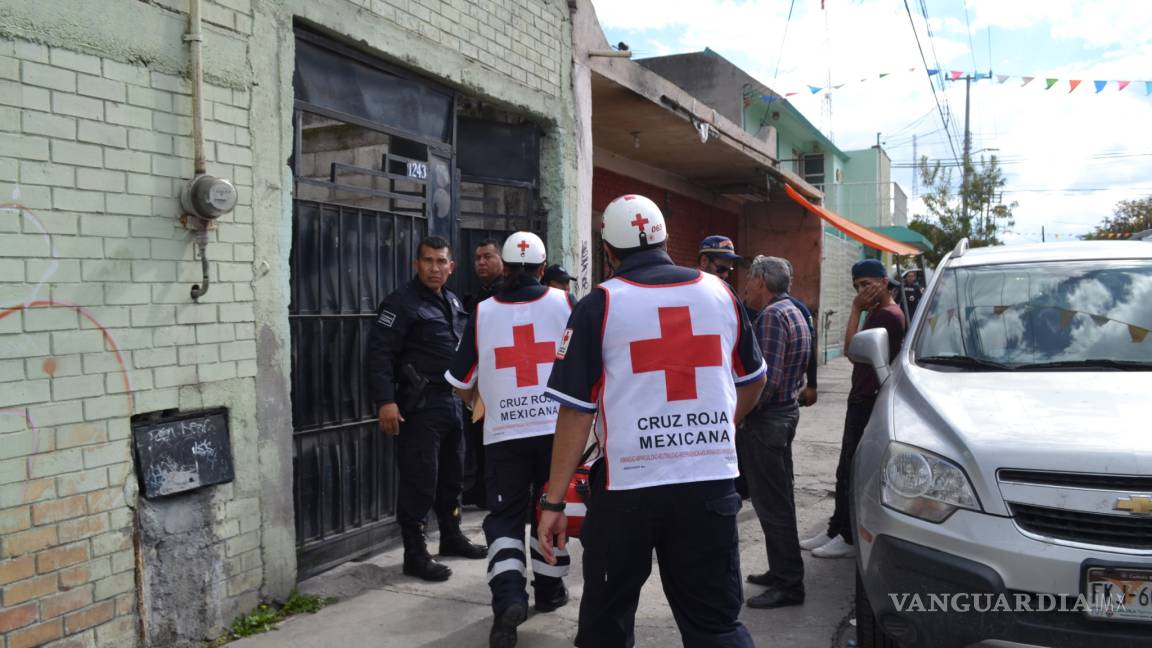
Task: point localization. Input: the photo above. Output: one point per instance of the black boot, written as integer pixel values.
(417, 561)
(553, 600)
(503, 633)
(453, 542)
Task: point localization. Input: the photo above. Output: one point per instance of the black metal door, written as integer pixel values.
(369, 184)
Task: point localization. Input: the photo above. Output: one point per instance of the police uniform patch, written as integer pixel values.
(563, 349)
(387, 318)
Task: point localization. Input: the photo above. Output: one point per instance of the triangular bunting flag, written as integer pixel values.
(884, 74)
(1120, 85)
(1100, 85)
(1135, 332)
(951, 315)
(932, 322)
(838, 86)
(769, 98)
(955, 74)
(1148, 87)
(1050, 83)
(814, 89)
(1075, 83)
(1099, 320)
(1066, 317)
(1027, 80)
(932, 72)
(789, 94)
(1001, 78)
(999, 310)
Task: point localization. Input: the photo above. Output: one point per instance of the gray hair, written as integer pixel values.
(776, 273)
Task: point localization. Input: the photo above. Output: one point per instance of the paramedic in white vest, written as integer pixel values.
(506, 353)
(663, 358)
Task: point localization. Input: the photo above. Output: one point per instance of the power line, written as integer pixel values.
(931, 84)
(936, 57)
(776, 75)
(971, 45)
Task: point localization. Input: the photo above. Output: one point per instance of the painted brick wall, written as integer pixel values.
(519, 38)
(836, 289)
(94, 276)
(689, 220)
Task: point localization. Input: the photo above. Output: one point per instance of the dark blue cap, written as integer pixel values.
(872, 268)
(719, 246)
(556, 272)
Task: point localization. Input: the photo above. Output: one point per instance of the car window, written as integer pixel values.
(1042, 313)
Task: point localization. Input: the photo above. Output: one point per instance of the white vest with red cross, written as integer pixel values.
(669, 395)
(516, 345)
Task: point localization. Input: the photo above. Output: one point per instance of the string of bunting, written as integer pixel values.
(1100, 85)
(1137, 333)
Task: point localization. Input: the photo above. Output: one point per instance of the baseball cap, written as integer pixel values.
(719, 246)
(556, 272)
(872, 268)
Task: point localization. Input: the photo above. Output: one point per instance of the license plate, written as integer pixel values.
(1118, 593)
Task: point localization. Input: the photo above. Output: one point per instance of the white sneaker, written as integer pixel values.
(836, 548)
(816, 541)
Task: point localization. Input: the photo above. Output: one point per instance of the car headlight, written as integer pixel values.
(925, 485)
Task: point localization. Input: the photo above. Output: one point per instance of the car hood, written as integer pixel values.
(1071, 421)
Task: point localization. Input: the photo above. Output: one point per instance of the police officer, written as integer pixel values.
(664, 360)
(489, 270)
(409, 348)
(506, 354)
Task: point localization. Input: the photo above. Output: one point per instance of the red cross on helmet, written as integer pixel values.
(633, 221)
(523, 247)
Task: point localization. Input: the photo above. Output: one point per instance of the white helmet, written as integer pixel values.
(523, 247)
(632, 222)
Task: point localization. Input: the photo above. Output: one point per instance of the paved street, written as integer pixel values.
(380, 607)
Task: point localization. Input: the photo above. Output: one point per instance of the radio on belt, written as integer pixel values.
(208, 197)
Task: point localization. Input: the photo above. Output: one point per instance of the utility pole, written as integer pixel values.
(879, 210)
(915, 169)
(1043, 239)
(966, 162)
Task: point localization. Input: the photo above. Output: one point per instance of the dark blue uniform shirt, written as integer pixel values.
(575, 379)
(413, 326)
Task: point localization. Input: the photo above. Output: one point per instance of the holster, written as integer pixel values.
(413, 387)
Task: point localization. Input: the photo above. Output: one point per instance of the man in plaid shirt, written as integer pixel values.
(766, 438)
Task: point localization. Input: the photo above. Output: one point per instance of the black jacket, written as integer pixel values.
(413, 326)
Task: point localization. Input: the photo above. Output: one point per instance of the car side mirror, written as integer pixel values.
(871, 347)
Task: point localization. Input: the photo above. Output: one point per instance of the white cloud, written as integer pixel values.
(1051, 141)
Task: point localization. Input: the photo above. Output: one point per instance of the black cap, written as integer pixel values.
(556, 272)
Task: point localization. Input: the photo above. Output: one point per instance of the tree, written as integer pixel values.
(1128, 217)
(973, 211)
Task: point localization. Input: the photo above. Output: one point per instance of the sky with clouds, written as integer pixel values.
(1069, 157)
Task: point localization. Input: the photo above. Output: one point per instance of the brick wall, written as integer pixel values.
(689, 220)
(836, 288)
(95, 271)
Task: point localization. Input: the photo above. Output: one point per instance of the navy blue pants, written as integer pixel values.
(430, 461)
(515, 472)
(692, 529)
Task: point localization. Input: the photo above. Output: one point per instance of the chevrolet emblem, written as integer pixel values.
(1136, 505)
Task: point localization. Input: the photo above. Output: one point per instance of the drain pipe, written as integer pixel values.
(205, 197)
(195, 40)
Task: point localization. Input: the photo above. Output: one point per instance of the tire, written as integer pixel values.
(868, 632)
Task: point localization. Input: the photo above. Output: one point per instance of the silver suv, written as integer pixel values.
(1002, 492)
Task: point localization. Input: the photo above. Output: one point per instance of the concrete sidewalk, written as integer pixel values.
(380, 607)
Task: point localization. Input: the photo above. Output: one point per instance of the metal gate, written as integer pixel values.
(374, 167)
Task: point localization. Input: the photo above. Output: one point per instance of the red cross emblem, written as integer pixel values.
(525, 354)
(677, 352)
(523, 245)
(640, 222)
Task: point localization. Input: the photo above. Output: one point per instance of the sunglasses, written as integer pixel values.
(723, 269)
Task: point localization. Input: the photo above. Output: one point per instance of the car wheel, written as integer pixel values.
(868, 632)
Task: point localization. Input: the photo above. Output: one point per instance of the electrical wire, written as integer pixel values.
(939, 108)
(780, 56)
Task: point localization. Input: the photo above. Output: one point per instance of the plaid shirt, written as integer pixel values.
(786, 344)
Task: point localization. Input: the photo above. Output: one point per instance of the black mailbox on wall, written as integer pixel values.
(182, 452)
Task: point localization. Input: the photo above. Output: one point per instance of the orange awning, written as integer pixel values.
(855, 230)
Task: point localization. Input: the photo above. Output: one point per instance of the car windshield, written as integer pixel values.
(1084, 314)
